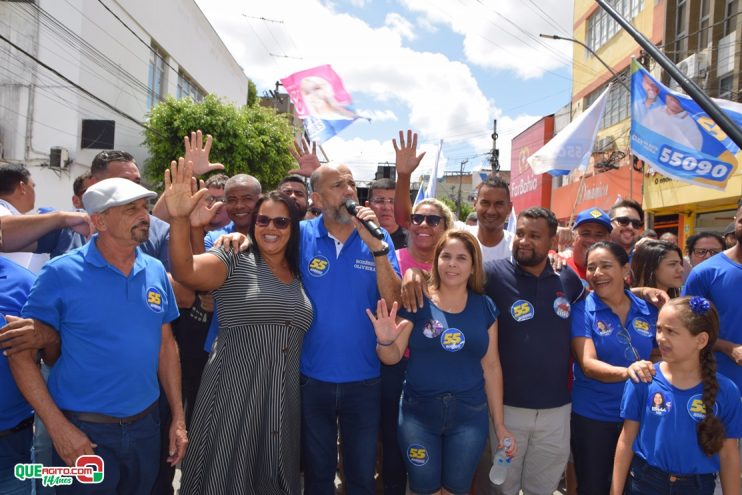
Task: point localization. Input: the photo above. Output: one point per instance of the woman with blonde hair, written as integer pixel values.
(454, 378)
(429, 220)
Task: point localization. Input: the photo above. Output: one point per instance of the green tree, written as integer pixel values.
(252, 93)
(252, 140)
(466, 208)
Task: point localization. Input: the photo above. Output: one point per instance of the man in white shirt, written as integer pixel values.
(674, 123)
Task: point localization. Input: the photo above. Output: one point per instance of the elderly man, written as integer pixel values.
(111, 305)
(344, 270)
(591, 225)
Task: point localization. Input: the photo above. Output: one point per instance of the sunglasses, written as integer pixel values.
(625, 221)
(431, 220)
(705, 252)
(281, 223)
(382, 201)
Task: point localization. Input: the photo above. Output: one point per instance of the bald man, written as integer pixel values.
(340, 372)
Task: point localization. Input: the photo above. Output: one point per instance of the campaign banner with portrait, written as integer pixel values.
(320, 99)
(673, 134)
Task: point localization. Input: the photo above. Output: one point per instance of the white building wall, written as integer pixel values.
(88, 45)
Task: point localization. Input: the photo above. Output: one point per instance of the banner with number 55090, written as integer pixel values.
(676, 137)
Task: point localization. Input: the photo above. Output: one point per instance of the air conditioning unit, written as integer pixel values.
(694, 67)
(59, 157)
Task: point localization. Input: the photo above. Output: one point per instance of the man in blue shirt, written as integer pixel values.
(16, 415)
(534, 339)
(111, 306)
(345, 270)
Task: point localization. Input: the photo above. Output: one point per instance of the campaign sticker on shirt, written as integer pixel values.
(562, 307)
(697, 410)
(417, 454)
(660, 404)
(432, 328)
(318, 266)
(603, 328)
(641, 326)
(154, 299)
(453, 340)
(522, 310)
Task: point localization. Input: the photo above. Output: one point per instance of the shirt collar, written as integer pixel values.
(12, 209)
(548, 270)
(92, 255)
(593, 304)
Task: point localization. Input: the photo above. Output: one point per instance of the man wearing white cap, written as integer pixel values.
(111, 306)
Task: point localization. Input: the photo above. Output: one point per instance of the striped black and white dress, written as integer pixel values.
(245, 433)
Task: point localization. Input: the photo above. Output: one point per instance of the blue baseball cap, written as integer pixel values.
(594, 215)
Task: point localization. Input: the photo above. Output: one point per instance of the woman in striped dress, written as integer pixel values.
(245, 433)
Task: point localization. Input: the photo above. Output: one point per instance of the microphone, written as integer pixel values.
(375, 230)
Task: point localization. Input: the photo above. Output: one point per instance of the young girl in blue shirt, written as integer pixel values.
(681, 428)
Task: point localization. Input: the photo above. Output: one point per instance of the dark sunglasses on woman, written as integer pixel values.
(280, 223)
(431, 220)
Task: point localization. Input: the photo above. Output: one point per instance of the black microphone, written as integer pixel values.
(375, 230)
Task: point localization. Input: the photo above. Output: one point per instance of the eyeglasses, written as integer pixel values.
(382, 201)
(630, 353)
(705, 252)
(625, 221)
(296, 192)
(280, 223)
(210, 200)
(431, 220)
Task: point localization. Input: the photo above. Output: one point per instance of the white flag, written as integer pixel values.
(433, 182)
(572, 147)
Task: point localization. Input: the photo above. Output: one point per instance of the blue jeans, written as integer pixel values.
(648, 480)
(393, 471)
(130, 455)
(355, 406)
(15, 448)
(442, 439)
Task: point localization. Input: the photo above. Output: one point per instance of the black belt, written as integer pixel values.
(106, 419)
(25, 424)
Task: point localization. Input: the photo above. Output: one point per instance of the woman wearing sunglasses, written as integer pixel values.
(245, 430)
(454, 378)
(613, 336)
(429, 220)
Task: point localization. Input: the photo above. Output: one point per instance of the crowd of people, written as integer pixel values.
(274, 342)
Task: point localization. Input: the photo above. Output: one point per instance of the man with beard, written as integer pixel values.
(534, 341)
(295, 188)
(345, 270)
(627, 218)
(492, 204)
(111, 305)
(719, 279)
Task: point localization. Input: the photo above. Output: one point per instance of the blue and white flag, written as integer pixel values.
(572, 147)
(432, 188)
(676, 137)
(421, 193)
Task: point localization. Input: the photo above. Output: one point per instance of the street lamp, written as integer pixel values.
(615, 76)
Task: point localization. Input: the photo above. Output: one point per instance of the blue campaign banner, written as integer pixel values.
(676, 137)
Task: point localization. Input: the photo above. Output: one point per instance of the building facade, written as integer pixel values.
(91, 72)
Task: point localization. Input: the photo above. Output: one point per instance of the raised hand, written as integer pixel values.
(407, 158)
(178, 195)
(203, 213)
(198, 153)
(385, 323)
(308, 161)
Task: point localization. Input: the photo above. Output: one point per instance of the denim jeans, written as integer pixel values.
(15, 448)
(441, 439)
(648, 480)
(393, 470)
(593, 449)
(130, 455)
(355, 407)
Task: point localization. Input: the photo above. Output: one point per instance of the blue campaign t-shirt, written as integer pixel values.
(446, 349)
(719, 279)
(110, 326)
(209, 241)
(594, 320)
(340, 346)
(668, 417)
(15, 284)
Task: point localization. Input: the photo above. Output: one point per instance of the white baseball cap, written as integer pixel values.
(113, 192)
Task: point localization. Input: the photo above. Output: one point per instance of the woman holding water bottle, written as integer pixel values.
(613, 336)
(454, 378)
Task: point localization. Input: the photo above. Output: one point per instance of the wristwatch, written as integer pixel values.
(383, 251)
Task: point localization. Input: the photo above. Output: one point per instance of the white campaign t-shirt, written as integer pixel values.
(31, 261)
(503, 249)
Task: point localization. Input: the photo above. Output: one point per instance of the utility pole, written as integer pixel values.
(495, 158)
(461, 177)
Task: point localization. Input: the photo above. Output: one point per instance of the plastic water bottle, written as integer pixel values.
(500, 464)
